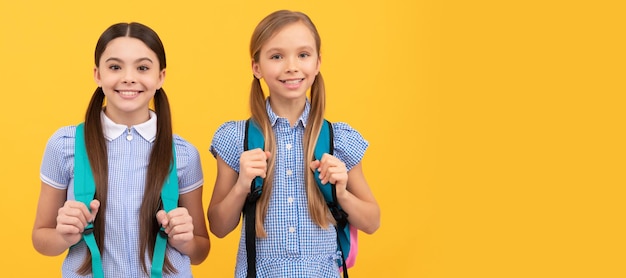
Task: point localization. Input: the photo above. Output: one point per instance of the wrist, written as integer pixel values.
(342, 193)
(241, 188)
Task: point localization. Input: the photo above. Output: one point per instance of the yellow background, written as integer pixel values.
(496, 127)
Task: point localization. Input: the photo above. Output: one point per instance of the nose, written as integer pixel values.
(128, 77)
(292, 65)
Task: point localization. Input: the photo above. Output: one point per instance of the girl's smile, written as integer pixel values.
(292, 83)
(289, 63)
(128, 94)
(129, 75)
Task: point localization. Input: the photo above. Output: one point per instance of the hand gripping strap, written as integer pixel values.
(84, 191)
(169, 197)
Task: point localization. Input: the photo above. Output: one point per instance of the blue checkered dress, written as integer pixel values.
(295, 246)
(128, 161)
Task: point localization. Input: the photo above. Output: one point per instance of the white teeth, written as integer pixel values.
(128, 93)
(292, 81)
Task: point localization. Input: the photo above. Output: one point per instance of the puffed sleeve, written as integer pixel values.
(189, 167)
(227, 143)
(349, 144)
(57, 166)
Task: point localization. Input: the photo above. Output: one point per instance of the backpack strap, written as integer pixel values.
(169, 200)
(323, 145)
(253, 139)
(85, 189)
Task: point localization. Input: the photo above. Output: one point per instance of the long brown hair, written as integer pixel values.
(160, 157)
(264, 31)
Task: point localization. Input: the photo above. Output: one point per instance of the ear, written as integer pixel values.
(319, 64)
(256, 70)
(96, 76)
(161, 78)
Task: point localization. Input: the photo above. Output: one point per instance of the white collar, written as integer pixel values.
(112, 130)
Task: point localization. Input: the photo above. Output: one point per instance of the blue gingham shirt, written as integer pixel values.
(128, 161)
(295, 246)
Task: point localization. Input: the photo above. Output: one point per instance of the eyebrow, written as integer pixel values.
(301, 48)
(136, 61)
(273, 50)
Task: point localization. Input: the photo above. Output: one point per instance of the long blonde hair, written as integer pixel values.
(264, 31)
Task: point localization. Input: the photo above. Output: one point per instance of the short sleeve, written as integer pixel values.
(57, 166)
(189, 167)
(349, 144)
(227, 143)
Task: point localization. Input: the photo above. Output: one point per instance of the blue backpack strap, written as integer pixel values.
(169, 199)
(84, 191)
(323, 145)
(253, 139)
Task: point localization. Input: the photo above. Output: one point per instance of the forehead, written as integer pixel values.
(296, 34)
(127, 48)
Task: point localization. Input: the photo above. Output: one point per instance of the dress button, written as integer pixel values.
(289, 172)
(290, 200)
(288, 146)
(292, 229)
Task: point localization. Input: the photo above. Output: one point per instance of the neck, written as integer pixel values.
(289, 109)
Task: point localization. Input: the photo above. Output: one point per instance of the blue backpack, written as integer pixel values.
(85, 189)
(346, 234)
